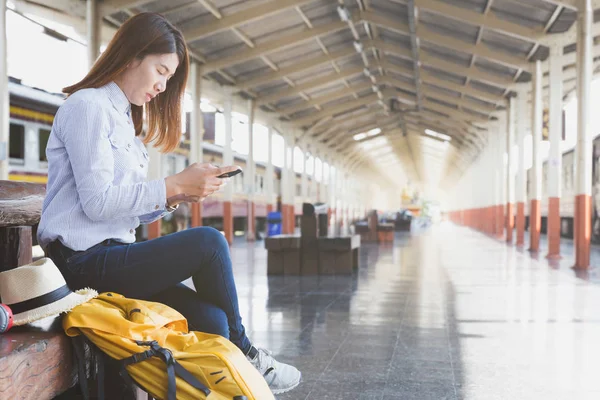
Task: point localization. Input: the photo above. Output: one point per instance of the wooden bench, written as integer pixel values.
(283, 254)
(368, 231)
(385, 232)
(338, 255)
(35, 360)
(311, 253)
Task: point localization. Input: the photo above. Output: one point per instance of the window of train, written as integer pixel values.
(17, 143)
(43, 143)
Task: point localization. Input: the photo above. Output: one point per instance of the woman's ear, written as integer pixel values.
(134, 63)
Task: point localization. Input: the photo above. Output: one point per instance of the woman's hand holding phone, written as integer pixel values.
(197, 182)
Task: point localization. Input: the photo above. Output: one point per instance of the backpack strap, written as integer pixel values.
(173, 368)
(79, 343)
(79, 350)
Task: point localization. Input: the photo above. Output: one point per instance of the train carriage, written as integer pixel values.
(567, 201)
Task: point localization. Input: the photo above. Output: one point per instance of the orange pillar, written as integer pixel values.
(509, 223)
(520, 224)
(585, 129)
(196, 214)
(553, 228)
(583, 229)
(154, 230)
(269, 208)
(251, 222)
(535, 193)
(534, 225)
(285, 212)
(228, 221)
(292, 211)
(500, 221)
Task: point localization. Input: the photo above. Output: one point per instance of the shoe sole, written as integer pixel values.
(281, 391)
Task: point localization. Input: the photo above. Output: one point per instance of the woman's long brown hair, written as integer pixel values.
(139, 36)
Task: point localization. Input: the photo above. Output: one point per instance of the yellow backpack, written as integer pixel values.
(159, 353)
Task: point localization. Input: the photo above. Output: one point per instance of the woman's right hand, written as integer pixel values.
(196, 182)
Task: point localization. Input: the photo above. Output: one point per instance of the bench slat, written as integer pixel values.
(20, 203)
(35, 365)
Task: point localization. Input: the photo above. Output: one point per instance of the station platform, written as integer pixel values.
(567, 252)
(446, 313)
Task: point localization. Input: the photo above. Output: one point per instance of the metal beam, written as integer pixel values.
(430, 79)
(459, 102)
(250, 14)
(474, 73)
(479, 50)
(295, 68)
(325, 99)
(414, 40)
(489, 20)
(109, 7)
(273, 45)
(361, 101)
(319, 82)
(334, 125)
(64, 17)
(423, 33)
(488, 97)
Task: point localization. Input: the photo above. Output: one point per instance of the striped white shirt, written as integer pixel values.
(97, 169)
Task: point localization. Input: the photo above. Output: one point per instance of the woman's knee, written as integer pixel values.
(210, 237)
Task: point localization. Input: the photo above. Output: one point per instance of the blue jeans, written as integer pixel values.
(154, 270)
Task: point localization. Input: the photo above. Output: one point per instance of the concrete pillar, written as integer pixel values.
(284, 186)
(521, 192)
(535, 217)
(555, 156)
(583, 177)
(332, 197)
(304, 181)
(270, 176)
(196, 132)
(501, 152)
(292, 187)
(93, 31)
(250, 180)
(494, 195)
(4, 108)
(314, 191)
(317, 184)
(228, 160)
(510, 185)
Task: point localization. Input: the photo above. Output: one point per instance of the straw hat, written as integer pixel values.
(38, 290)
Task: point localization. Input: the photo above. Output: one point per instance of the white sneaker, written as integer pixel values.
(280, 377)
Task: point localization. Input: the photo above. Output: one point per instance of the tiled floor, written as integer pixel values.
(568, 256)
(443, 314)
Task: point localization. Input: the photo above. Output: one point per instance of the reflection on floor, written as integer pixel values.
(443, 314)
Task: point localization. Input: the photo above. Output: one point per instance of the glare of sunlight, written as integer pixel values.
(437, 135)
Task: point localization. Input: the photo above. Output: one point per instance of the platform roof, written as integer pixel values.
(334, 69)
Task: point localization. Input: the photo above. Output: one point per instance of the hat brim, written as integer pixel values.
(58, 307)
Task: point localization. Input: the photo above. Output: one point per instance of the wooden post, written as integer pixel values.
(20, 209)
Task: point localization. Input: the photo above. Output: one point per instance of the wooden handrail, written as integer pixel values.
(20, 203)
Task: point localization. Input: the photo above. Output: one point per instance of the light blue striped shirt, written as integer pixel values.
(97, 169)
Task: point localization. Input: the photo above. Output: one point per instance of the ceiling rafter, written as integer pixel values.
(242, 17)
(311, 84)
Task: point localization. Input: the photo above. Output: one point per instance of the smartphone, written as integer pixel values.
(230, 174)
